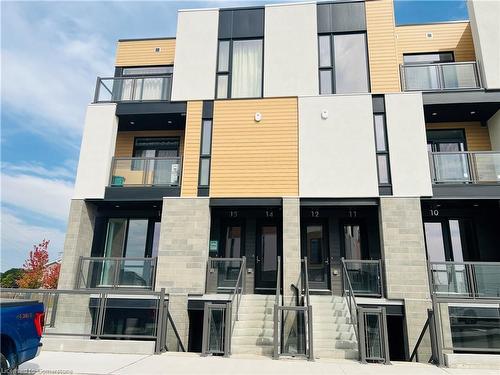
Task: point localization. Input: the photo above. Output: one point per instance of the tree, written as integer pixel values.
(51, 276)
(9, 278)
(34, 267)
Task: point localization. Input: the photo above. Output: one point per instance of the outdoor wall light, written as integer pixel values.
(324, 114)
(258, 116)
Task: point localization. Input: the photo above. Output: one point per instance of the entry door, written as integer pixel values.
(315, 248)
(266, 256)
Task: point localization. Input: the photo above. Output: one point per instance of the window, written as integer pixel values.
(239, 69)
(343, 63)
(148, 83)
(381, 149)
(205, 153)
(428, 58)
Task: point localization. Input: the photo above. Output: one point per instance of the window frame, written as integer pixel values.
(382, 152)
(229, 72)
(332, 67)
(205, 156)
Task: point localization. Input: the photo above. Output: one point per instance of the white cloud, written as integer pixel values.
(49, 197)
(38, 169)
(18, 238)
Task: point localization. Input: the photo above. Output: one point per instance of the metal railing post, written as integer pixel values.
(227, 329)
(275, 332)
(159, 322)
(361, 336)
(97, 90)
(310, 332)
(206, 329)
(383, 325)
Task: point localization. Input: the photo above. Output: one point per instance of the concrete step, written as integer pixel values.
(335, 354)
(254, 324)
(331, 319)
(333, 328)
(334, 335)
(251, 340)
(324, 343)
(256, 309)
(255, 331)
(265, 350)
(253, 316)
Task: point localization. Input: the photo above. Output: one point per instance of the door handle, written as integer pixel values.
(257, 259)
(327, 261)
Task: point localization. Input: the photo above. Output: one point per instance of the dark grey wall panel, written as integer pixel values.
(241, 23)
(341, 17)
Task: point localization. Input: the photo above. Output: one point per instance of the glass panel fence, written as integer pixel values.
(145, 172)
(466, 280)
(365, 277)
(447, 76)
(487, 166)
(120, 89)
(293, 333)
(117, 272)
(451, 167)
(222, 274)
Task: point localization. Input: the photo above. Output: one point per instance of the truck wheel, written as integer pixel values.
(5, 366)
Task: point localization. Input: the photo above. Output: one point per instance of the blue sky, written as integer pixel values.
(51, 53)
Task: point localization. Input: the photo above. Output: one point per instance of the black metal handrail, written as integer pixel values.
(350, 298)
(237, 294)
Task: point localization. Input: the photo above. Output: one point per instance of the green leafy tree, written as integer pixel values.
(9, 278)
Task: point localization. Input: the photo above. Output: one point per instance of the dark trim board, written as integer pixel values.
(466, 191)
(228, 202)
(145, 193)
(151, 107)
(317, 202)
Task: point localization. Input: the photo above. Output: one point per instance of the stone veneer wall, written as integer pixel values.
(403, 249)
(291, 248)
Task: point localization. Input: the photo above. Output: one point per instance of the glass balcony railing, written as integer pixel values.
(145, 172)
(465, 167)
(133, 89)
(440, 77)
(111, 273)
(466, 280)
(365, 277)
(222, 274)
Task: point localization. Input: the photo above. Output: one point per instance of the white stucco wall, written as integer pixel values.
(337, 154)
(195, 55)
(291, 50)
(484, 20)
(494, 130)
(408, 156)
(96, 152)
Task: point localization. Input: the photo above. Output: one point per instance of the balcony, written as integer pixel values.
(114, 273)
(473, 280)
(465, 167)
(130, 172)
(133, 89)
(365, 277)
(440, 77)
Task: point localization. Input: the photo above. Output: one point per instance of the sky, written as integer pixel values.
(51, 54)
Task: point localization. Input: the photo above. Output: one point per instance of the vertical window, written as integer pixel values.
(205, 153)
(343, 63)
(381, 149)
(239, 69)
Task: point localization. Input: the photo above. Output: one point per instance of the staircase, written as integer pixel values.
(333, 333)
(253, 332)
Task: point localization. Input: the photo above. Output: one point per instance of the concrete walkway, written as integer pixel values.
(189, 363)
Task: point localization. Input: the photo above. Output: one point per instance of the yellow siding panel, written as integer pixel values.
(477, 136)
(255, 159)
(455, 37)
(142, 52)
(189, 186)
(382, 53)
(125, 140)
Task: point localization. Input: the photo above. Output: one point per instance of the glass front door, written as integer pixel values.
(315, 248)
(266, 256)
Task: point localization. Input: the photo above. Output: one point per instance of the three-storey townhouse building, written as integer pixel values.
(298, 179)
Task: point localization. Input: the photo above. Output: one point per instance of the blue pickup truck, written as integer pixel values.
(21, 327)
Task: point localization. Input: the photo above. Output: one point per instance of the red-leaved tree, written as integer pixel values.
(36, 274)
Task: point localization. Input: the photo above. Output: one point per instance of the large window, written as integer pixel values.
(343, 63)
(382, 150)
(148, 83)
(239, 69)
